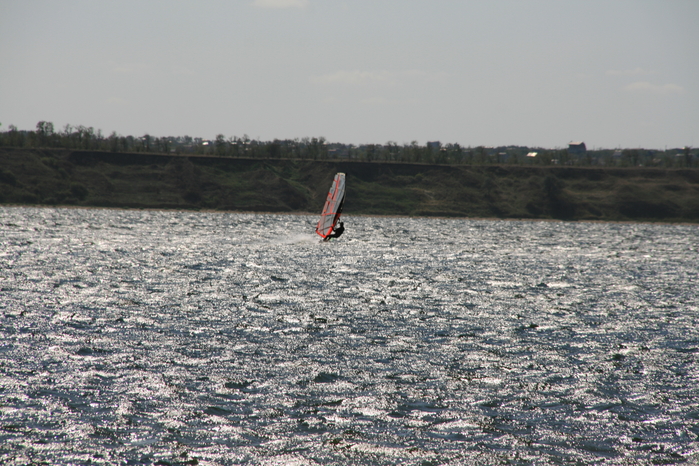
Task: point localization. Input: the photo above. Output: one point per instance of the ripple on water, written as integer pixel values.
(152, 337)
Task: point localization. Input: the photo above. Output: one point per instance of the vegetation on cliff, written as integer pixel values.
(142, 180)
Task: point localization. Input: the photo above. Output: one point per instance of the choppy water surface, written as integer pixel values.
(145, 337)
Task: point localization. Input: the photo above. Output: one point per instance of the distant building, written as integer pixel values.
(434, 144)
(577, 148)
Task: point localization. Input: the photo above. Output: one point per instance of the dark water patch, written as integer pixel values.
(217, 411)
(600, 449)
(324, 377)
(90, 351)
(238, 385)
(691, 350)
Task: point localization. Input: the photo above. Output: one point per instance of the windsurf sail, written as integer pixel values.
(333, 207)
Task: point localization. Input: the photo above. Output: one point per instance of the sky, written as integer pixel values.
(537, 73)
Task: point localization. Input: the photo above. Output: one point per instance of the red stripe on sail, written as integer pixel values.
(325, 226)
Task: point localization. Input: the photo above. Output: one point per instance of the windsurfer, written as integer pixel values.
(337, 232)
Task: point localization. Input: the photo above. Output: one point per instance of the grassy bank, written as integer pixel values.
(138, 180)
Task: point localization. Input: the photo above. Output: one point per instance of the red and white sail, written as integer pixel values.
(333, 207)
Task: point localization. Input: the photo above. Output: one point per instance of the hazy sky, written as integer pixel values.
(612, 73)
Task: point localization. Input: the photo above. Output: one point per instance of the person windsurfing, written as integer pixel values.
(337, 232)
(327, 225)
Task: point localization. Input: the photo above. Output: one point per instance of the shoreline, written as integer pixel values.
(310, 214)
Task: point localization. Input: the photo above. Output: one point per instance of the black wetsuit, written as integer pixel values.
(339, 230)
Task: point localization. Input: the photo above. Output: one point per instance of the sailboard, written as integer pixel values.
(333, 207)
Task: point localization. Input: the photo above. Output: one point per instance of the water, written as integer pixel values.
(148, 337)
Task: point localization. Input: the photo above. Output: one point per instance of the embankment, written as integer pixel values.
(138, 180)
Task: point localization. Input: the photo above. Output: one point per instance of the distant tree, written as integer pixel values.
(544, 157)
(322, 148)
(253, 148)
(245, 145)
(65, 136)
(114, 142)
(456, 153)
(629, 157)
(274, 149)
(563, 157)
(296, 148)
(470, 155)
(391, 150)
(316, 148)
(303, 147)
(235, 146)
(232, 146)
(370, 152)
(15, 138)
(77, 136)
(414, 151)
(481, 155)
(44, 133)
(220, 144)
(89, 137)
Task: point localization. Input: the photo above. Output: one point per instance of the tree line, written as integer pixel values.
(318, 148)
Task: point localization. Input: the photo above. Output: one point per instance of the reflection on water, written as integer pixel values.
(147, 337)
